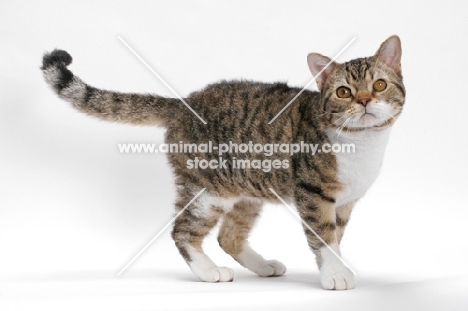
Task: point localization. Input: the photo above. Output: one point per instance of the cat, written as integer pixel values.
(357, 103)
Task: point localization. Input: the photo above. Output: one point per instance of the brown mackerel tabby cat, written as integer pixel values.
(357, 104)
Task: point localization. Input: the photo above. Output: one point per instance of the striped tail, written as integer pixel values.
(107, 105)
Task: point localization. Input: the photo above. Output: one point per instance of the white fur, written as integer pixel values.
(357, 171)
(257, 264)
(206, 270)
(333, 273)
(207, 200)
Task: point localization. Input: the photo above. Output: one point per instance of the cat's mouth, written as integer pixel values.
(372, 119)
(372, 115)
(368, 119)
(367, 113)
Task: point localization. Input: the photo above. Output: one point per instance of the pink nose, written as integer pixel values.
(364, 101)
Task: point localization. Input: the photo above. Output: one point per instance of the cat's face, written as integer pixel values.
(365, 93)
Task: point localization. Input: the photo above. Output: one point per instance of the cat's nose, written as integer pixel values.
(363, 98)
(364, 101)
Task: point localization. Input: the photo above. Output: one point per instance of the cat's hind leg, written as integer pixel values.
(190, 228)
(233, 239)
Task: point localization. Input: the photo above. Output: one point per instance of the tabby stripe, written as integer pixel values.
(341, 222)
(310, 219)
(253, 113)
(316, 169)
(66, 77)
(327, 226)
(88, 93)
(316, 190)
(246, 111)
(352, 72)
(400, 88)
(326, 99)
(194, 233)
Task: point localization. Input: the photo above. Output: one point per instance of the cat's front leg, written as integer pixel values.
(319, 221)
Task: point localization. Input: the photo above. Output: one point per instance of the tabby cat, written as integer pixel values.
(357, 103)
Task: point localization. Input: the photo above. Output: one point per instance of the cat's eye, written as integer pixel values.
(379, 85)
(343, 92)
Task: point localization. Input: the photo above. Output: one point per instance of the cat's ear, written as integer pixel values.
(321, 67)
(389, 53)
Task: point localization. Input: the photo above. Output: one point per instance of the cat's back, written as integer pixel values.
(241, 109)
(232, 94)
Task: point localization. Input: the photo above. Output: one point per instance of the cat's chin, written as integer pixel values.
(366, 120)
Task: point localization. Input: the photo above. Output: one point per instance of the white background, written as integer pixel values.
(74, 211)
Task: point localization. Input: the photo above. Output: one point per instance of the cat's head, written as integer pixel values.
(364, 93)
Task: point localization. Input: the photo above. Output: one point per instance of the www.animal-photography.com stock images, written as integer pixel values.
(233, 155)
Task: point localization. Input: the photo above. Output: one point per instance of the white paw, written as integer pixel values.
(271, 268)
(218, 274)
(257, 264)
(338, 281)
(333, 273)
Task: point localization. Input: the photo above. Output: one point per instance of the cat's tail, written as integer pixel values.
(108, 105)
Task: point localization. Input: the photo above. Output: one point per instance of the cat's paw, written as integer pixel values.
(341, 280)
(218, 274)
(271, 268)
(333, 273)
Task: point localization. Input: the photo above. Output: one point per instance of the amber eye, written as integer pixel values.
(380, 85)
(343, 92)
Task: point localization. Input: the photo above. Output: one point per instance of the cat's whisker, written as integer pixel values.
(392, 117)
(346, 124)
(353, 123)
(337, 120)
(320, 115)
(336, 131)
(340, 129)
(324, 113)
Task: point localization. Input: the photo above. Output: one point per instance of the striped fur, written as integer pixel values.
(239, 111)
(107, 105)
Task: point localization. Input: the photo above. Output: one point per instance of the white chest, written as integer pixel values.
(358, 170)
